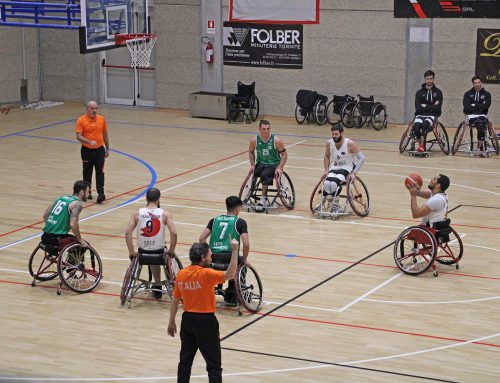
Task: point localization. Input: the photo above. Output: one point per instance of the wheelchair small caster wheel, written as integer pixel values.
(435, 273)
(456, 266)
(33, 283)
(240, 313)
(58, 292)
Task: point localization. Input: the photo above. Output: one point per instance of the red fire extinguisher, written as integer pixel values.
(209, 53)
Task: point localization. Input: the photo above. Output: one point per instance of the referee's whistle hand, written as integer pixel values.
(172, 329)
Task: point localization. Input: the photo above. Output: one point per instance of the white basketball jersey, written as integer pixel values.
(341, 158)
(150, 229)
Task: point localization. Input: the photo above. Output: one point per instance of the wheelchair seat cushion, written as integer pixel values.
(151, 257)
(306, 99)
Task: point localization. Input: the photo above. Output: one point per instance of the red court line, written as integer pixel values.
(302, 319)
(141, 187)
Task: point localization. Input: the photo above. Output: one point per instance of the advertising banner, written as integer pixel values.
(457, 8)
(488, 55)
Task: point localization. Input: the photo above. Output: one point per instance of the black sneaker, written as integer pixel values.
(230, 298)
(157, 292)
(90, 196)
(100, 197)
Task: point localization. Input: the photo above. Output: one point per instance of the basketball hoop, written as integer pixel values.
(140, 46)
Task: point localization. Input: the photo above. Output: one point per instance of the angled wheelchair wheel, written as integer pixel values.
(248, 288)
(346, 114)
(315, 200)
(330, 114)
(493, 137)
(286, 191)
(415, 250)
(128, 280)
(378, 118)
(359, 198)
(320, 112)
(450, 252)
(174, 265)
(459, 138)
(247, 189)
(442, 138)
(254, 108)
(300, 115)
(42, 265)
(405, 138)
(79, 268)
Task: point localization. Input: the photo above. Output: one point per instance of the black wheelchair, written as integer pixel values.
(335, 106)
(356, 196)
(244, 105)
(247, 286)
(439, 136)
(464, 140)
(132, 283)
(417, 248)
(311, 107)
(364, 110)
(78, 267)
(281, 193)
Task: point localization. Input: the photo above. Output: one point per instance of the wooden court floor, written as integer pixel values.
(336, 307)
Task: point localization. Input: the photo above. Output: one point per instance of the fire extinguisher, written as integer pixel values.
(209, 53)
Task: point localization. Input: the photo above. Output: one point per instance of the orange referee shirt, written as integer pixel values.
(195, 285)
(92, 129)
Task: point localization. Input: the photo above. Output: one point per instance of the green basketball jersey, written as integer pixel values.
(266, 152)
(223, 227)
(59, 216)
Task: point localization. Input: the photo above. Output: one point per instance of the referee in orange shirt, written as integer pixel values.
(199, 326)
(92, 132)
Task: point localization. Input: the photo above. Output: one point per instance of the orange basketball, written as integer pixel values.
(415, 178)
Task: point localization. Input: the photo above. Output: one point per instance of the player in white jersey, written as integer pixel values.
(150, 222)
(435, 209)
(343, 159)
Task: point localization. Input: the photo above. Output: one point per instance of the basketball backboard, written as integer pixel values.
(101, 20)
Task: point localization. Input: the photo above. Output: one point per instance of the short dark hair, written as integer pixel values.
(78, 186)
(338, 126)
(429, 73)
(153, 195)
(476, 77)
(198, 251)
(232, 202)
(444, 182)
(264, 122)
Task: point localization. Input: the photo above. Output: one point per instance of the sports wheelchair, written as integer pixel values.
(244, 105)
(418, 247)
(335, 106)
(247, 285)
(464, 141)
(78, 267)
(440, 137)
(310, 107)
(251, 193)
(356, 113)
(132, 283)
(356, 196)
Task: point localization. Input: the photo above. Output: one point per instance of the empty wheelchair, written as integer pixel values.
(438, 135)
(133, 284)
(334, 108)
(364, 110)
(281, 193)
(356, 196)
(244, 105)
(79, 268)
(417, 248)
(310, 107)
(247, 284)
(464, 140)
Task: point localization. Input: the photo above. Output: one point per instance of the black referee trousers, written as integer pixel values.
(94, 158)
(200, 331)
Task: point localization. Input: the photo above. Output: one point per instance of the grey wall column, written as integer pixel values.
(212, 74)
(93, 76)
(418, 60)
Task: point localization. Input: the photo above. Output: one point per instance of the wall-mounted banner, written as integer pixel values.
(488, 55)
(437, 8)
(263, 45)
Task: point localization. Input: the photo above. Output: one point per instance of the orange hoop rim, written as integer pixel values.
(122, 38)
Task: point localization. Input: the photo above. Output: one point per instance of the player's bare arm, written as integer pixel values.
(132, 223)
(169, 222)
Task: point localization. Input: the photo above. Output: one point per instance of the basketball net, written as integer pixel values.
(140, 46)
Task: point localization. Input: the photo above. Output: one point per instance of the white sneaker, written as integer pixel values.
(335, 207)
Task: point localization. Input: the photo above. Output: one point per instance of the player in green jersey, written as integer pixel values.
(270, 159)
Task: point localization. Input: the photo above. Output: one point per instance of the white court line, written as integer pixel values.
(434, 303)
(405, 166)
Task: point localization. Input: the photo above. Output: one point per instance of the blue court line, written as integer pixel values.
(142, 162)
(40, 127)
(239, 131)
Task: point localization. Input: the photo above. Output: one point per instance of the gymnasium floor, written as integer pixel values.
(336, 307)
